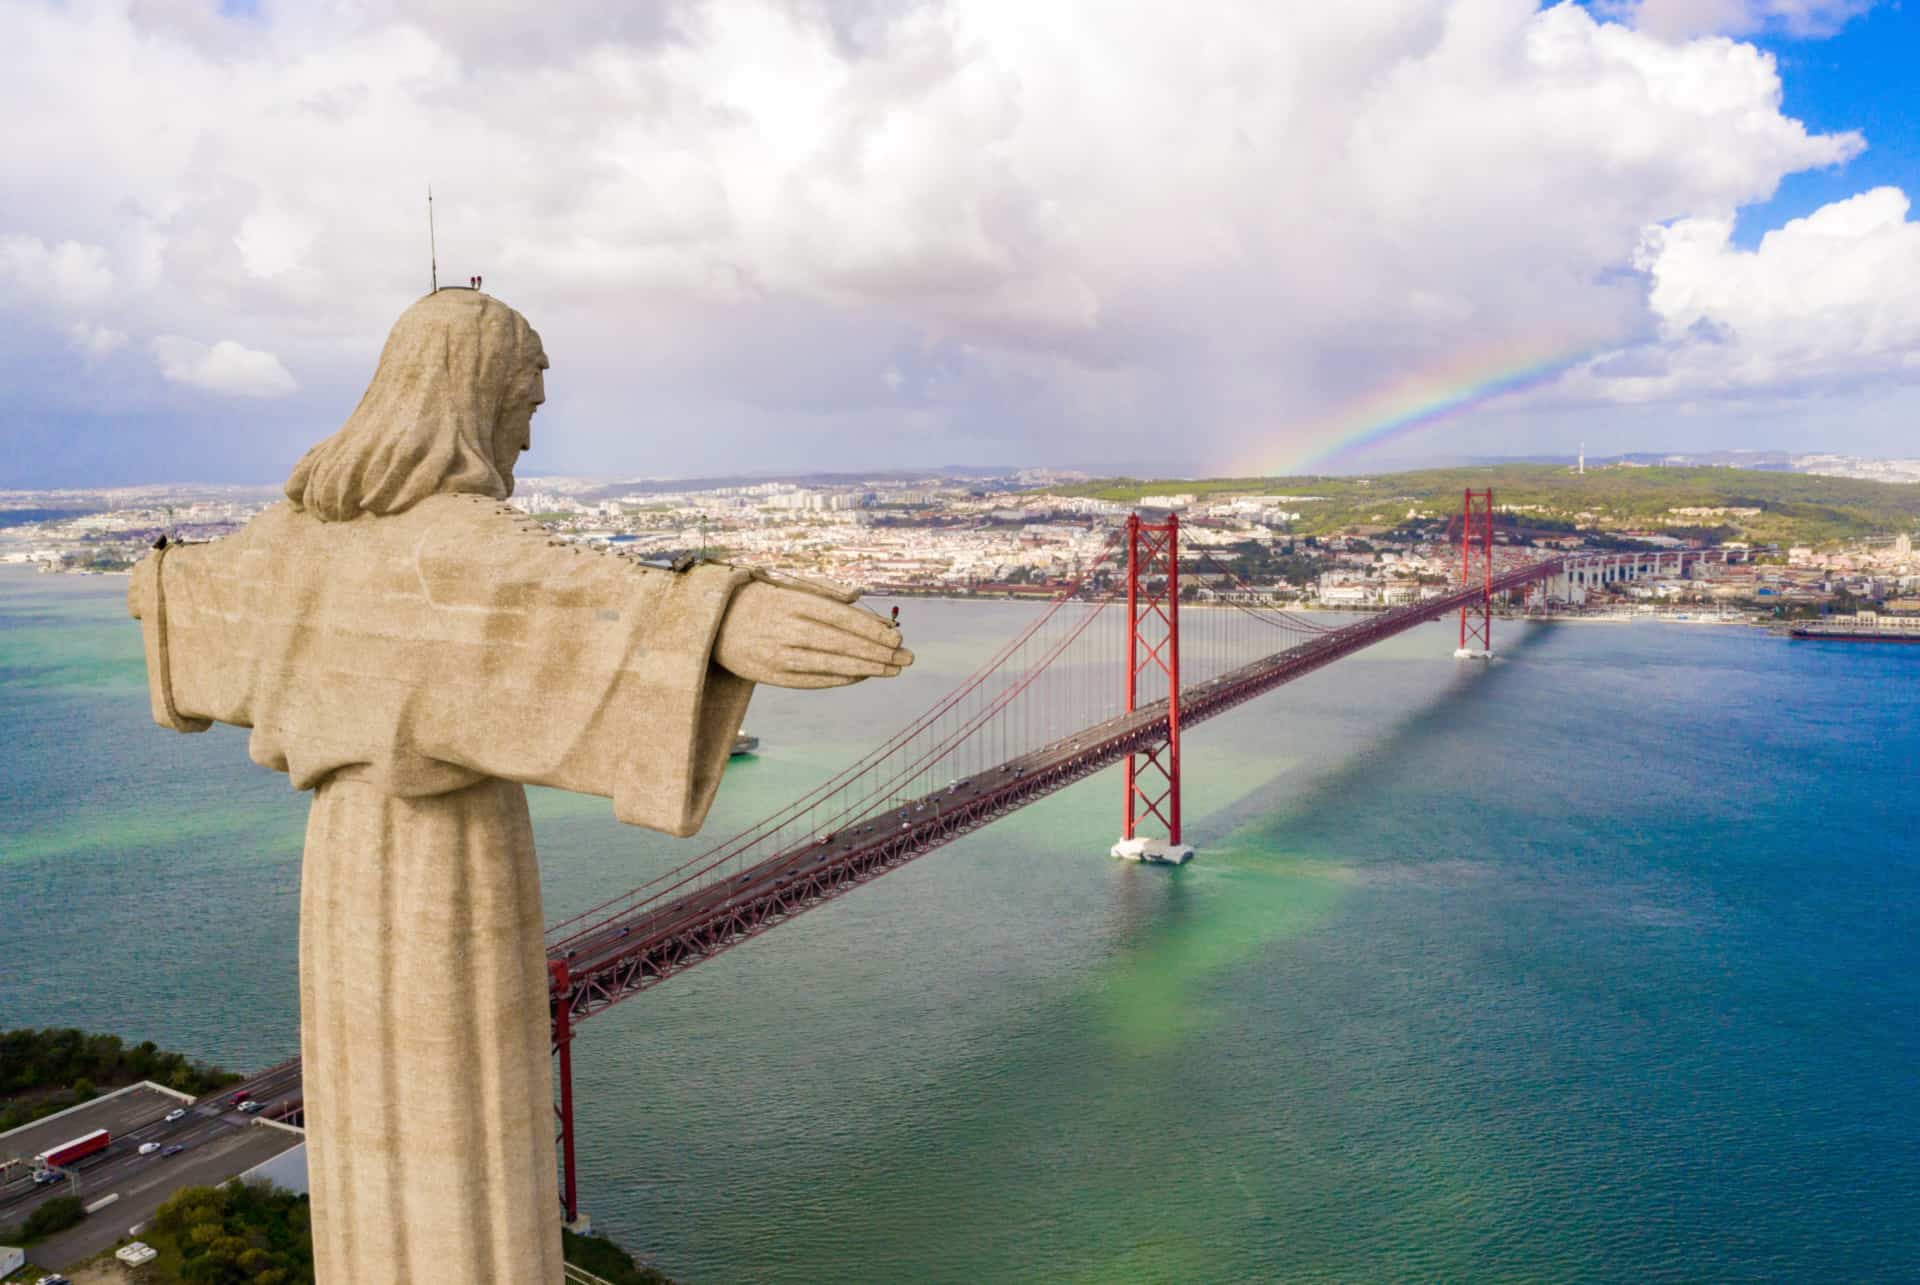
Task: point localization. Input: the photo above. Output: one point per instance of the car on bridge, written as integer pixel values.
(178, 1113)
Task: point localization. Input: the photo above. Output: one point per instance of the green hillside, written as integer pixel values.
(1792, 508)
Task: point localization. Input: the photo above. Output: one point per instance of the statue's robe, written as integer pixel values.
(414, 671)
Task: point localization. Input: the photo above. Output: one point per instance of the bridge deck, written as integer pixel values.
(637, 949)
(640, 948)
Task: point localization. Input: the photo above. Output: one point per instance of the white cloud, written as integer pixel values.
(227, 367)
(1680, 19)
(1830, 300)
(95, 340)
(1069, 224)
(66, 275)
(272, 241)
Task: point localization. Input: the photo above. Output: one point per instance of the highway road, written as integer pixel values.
(217, 1143)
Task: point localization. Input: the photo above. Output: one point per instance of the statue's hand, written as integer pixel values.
(796, 638)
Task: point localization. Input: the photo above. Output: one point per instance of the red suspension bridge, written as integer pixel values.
(1109, 672)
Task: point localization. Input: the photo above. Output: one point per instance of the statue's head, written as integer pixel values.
(449, 410)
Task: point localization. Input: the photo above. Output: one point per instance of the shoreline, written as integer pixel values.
(1554, 617)
(904, 594)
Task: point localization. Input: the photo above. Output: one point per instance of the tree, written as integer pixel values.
(77, 1066)
(238, 1234)
(55, 1215)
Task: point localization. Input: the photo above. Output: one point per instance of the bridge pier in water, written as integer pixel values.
(1153, 652)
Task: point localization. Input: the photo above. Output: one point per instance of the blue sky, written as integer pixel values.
(1865, 77)
(855, 234)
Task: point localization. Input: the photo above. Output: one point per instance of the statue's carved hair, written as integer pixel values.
(426, 424)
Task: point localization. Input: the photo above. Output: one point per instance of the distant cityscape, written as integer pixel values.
(1028, 532)
(1816, 465)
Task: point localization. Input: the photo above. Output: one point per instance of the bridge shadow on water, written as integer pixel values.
(1388, 752)
(1053, 1108)
(1271, 868)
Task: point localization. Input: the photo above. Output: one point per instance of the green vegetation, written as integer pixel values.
(45, 1071)
(1792, 508)
(55, 1215)
(98, 562)
(608, 1261)
(1270, 563)
(238, 1234)
(258, 1234)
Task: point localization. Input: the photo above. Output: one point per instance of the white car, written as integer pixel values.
(148, 1148)
(178, 1113)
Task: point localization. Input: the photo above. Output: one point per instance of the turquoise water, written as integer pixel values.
(1595, 964)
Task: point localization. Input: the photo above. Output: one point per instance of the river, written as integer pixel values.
(1597, 963)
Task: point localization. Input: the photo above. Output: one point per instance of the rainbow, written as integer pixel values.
(1431, 397)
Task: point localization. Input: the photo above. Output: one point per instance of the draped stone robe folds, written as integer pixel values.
(414, 670)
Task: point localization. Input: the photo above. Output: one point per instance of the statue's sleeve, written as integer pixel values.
(422, 652)
(582, 670)
(147, 603)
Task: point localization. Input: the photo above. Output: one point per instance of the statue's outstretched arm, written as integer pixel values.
(796, 638)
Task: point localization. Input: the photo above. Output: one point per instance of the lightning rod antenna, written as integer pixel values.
(433, 250)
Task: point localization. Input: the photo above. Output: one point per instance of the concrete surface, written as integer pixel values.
(219, 1144)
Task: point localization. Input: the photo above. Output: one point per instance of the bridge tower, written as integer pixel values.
(1476, 534)
(561, 984)
(1153, 649)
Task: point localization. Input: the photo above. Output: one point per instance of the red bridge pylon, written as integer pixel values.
(1153, 650)
(1476, 620)
(559, 981)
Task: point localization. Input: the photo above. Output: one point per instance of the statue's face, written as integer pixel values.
(514, 433)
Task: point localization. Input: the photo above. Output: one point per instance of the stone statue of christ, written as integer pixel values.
(414, 651)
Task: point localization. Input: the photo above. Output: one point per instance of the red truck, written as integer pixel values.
(79, 1149)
